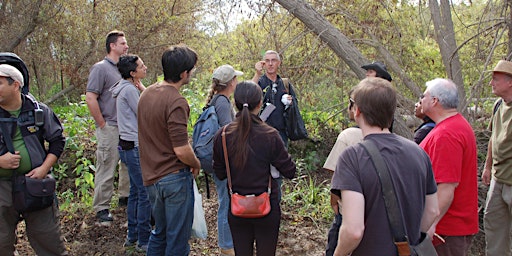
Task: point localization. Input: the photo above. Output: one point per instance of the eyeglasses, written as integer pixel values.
(351, 103)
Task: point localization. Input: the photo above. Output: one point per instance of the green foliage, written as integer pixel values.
(308, 198)
(77, 161)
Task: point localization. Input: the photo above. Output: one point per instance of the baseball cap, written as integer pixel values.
(7, 70)
(225, 73)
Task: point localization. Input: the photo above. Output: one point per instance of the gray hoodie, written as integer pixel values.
(127, 97)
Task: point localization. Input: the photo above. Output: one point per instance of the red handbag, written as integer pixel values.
(248, 206)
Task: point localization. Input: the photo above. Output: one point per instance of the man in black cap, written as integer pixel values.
(377, 69)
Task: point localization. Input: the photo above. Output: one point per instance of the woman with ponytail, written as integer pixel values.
(252, 146)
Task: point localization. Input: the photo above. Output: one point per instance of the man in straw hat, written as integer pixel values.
(497, 215)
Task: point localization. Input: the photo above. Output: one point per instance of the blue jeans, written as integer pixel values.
(223, 232)
(172, 203)
(139, 208)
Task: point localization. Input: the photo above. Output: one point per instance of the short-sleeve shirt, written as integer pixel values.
(501, 138)
(412, 176)
(346, 138)
(451, 146)
(162, 117)
(103, 75)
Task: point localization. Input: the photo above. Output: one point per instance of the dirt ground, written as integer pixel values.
(82, 237)
(298, 236)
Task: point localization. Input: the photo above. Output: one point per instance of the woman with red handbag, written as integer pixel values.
(251, 146)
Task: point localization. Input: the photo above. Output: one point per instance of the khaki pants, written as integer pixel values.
(43, 227)
(498, 219)
(107, 158)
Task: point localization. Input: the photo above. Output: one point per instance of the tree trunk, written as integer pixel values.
(445, 37)
(345, 50)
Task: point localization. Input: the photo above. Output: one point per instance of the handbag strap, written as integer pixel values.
(226, 160)
(388, 192)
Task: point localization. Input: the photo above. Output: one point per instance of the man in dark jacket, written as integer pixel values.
(32, 125)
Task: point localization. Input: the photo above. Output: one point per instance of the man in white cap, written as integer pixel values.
(497, 214)
(28, 156)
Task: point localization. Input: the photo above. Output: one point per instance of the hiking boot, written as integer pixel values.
(123, 202)
(128, 243)
(104, 218)
(227, 252)
(142, 248)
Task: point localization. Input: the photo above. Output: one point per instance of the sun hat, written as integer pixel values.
(225, 73)
(503, 66)
(7, 70)
(380, 69)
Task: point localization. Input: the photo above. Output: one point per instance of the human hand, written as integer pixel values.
(37, 173)
(11, 161)
(486, 176)
(259, 66)
(195, 171)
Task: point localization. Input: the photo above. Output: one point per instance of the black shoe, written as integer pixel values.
(104, 218)
(123, 202)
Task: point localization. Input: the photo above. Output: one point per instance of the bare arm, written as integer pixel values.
(92, 103)
(186, 155)
(352, 227)
(430, 213)
(445, 194)
(486, 173)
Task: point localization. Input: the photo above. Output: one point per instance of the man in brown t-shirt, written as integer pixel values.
(167, 160)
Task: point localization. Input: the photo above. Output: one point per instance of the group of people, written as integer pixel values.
(146, 128)
(434, 178)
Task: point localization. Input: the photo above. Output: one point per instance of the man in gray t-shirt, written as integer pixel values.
(365, 229)
(103, 75)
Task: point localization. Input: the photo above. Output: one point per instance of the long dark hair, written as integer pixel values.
(248, 96)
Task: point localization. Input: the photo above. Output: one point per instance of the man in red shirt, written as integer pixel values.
(451, 146)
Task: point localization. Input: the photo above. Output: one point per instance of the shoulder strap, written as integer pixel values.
(388, 192)
(497, 105)
(430, 125)
(6, 134)
(226, 160)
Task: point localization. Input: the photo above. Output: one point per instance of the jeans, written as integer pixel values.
(332, 236)
(223, 232)
(172, 203)
(139, 208)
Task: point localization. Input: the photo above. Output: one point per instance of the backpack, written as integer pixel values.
(202, 137)
(15, 61)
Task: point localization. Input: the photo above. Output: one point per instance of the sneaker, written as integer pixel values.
(123, 202)
(142, 248)
(104, 218)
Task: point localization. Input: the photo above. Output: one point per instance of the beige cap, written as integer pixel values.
(225, 73)
(503, 66)
(7, 70)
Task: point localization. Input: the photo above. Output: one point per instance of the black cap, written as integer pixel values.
(380, 68)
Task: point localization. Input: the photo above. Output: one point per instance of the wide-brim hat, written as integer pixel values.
(503, 66)
(380, 69)
(225, 73)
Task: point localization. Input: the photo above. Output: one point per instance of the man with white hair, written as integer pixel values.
(33, 122)
(451, 146)
(497, 215)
